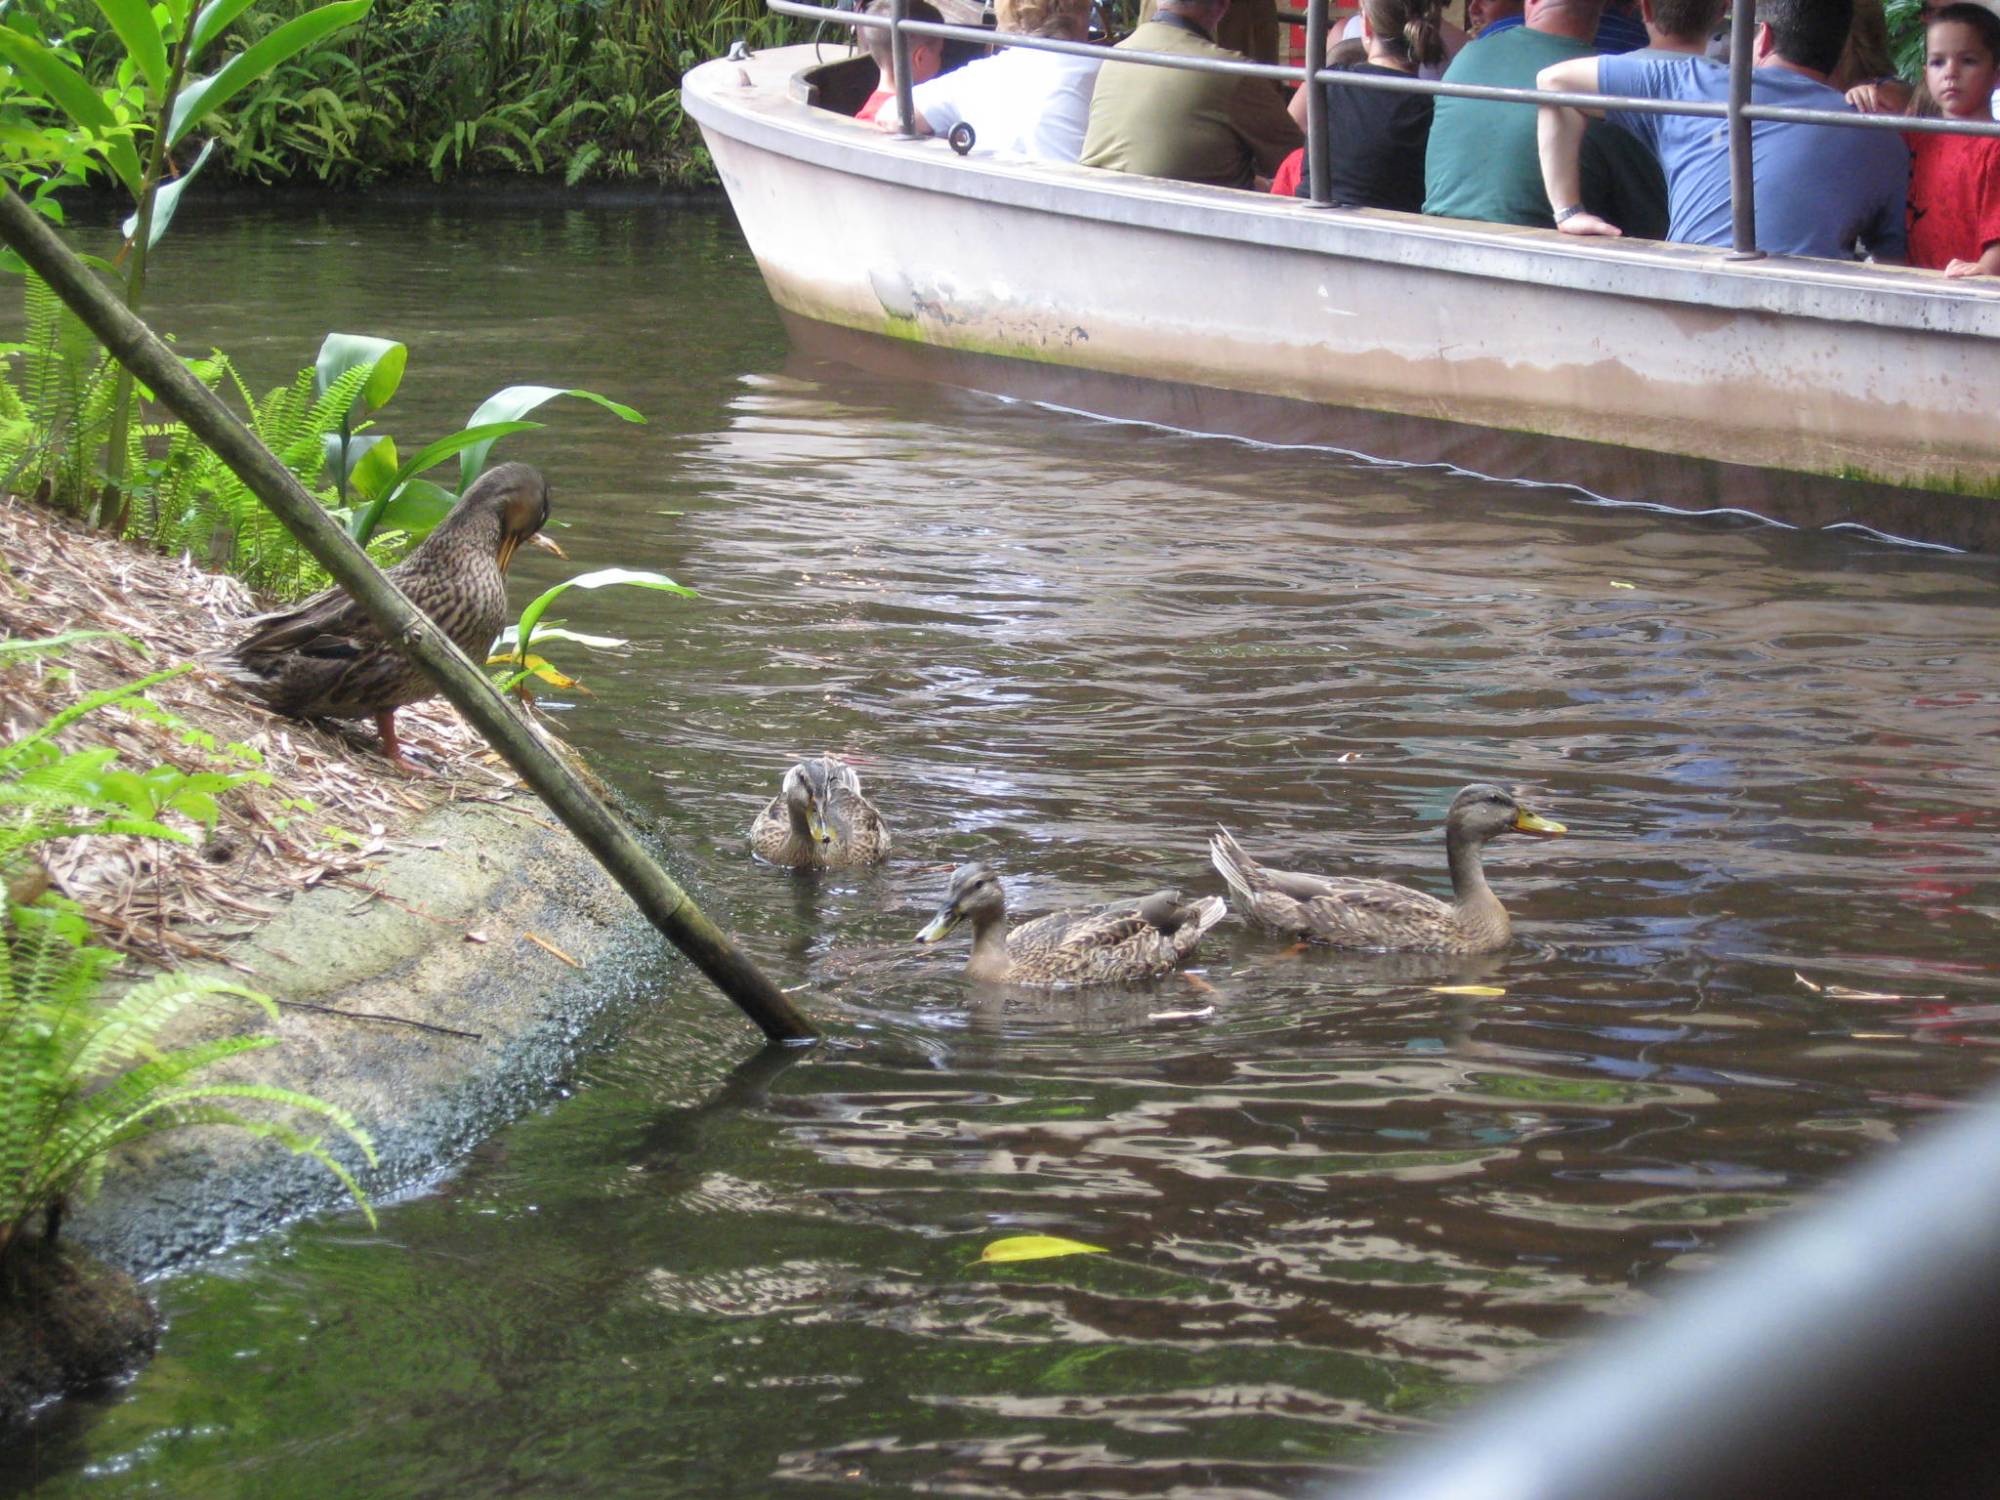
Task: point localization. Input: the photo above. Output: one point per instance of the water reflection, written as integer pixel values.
(1340, 1193)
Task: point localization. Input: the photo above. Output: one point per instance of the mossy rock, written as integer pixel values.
(67, 1323)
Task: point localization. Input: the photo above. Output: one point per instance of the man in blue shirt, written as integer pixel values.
(1820, 189)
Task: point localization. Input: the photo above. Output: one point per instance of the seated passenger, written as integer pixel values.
(1214, 128)
(1481, 162)
(1251, 27)
(1377, 138)
(926, 53)
(1617, 30)
(1679, 26)
(1454, 41)
(1955, 179)
(1019, 102)
(1820, 188)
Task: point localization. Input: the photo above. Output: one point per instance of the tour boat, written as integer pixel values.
(1810, 392)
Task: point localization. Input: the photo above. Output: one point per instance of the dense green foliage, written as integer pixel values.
(81, 1074)
(445, 88)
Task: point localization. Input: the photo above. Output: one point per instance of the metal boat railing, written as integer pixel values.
(1738, 110)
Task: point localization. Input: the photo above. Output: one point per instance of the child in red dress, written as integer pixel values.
(1955, 179)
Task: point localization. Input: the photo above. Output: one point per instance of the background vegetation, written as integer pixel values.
(584, 89)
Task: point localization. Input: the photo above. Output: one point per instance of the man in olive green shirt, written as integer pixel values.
(1215, 128)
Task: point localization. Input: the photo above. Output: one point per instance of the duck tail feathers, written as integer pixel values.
(1232, 863)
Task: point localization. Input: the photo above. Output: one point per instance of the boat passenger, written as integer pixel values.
(1481, 162)
(926, 53)
(1250, 27)
(1617, 29)
(1454, 41)
(1892, 96)
(1019, 102)
(1679, 27)
(1820, 189)
(1215, 128)
(1955, 179)
(1377, 137)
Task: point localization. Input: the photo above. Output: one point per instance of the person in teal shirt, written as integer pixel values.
(1482, 161)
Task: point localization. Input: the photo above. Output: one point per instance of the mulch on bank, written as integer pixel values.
(333, 804)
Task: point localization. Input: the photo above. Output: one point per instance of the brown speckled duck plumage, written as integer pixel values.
(1354, 912)
(327, 660)
(1113, 944)
(820, 820)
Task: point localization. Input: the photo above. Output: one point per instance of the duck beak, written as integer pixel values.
(1529, 822)
(946, 919)
(816, 825)
(547, 545)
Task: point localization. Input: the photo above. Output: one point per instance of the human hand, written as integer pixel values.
(1584, 222)
(1959, 269)
(1882, 98)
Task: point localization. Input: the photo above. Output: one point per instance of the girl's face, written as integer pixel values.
(1959, 70)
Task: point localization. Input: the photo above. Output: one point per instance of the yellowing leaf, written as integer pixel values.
(1037, 1247)
(1619, 583)
(1467, 989)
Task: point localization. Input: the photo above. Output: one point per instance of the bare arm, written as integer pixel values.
(1987, 264)
(1559, 138)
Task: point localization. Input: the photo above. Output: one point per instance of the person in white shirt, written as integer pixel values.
(1019, 102)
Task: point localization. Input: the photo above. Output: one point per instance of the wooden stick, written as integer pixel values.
(140, 350)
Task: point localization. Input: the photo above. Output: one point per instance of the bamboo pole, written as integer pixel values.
(664, 903)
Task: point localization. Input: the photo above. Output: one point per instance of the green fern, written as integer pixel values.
(80, 1075)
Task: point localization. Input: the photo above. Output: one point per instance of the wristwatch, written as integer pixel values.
(1563, 215)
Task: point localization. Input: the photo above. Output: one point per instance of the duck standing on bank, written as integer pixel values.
(327, 660)
(820, 820)
(1124, 941)
(1353, 912)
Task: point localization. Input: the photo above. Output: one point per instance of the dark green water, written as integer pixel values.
(1338, 1202)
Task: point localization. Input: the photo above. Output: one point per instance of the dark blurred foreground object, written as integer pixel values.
(328, 660)
(1853, 1352)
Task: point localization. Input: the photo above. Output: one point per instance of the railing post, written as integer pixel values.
(899, 49)
(1742, 175)
(1319, 160)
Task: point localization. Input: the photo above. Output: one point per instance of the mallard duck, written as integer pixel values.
(820, 820)
(327, 660)
(1351, 912)
(1125, 940)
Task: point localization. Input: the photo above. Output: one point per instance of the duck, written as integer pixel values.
(327, 659)
(1117, 943)
(820, 820)
(1353, 912)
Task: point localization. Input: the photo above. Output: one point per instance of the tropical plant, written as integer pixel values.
(154, 98)
(514, 650)
(80, 1075)
(1906, 36)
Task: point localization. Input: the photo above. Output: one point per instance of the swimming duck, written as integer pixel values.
(327, 660)
(1351, 912)
(1123, 941)
(819, 819)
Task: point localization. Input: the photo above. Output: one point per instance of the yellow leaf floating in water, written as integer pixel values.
(1619, 583)
(1467, 989)
(1037, 1247)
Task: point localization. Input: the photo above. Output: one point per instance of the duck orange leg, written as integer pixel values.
(385, 726)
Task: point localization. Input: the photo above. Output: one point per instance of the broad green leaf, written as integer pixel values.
(144, 43)
(373, 468)
(487, 433)
(603, 578)
(556, 633)
(67, 89)
(205, 96)
(341, 352)
(1037, 1247)
(416, 508)
(209, 24)
(515, 402)
(166, 198)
